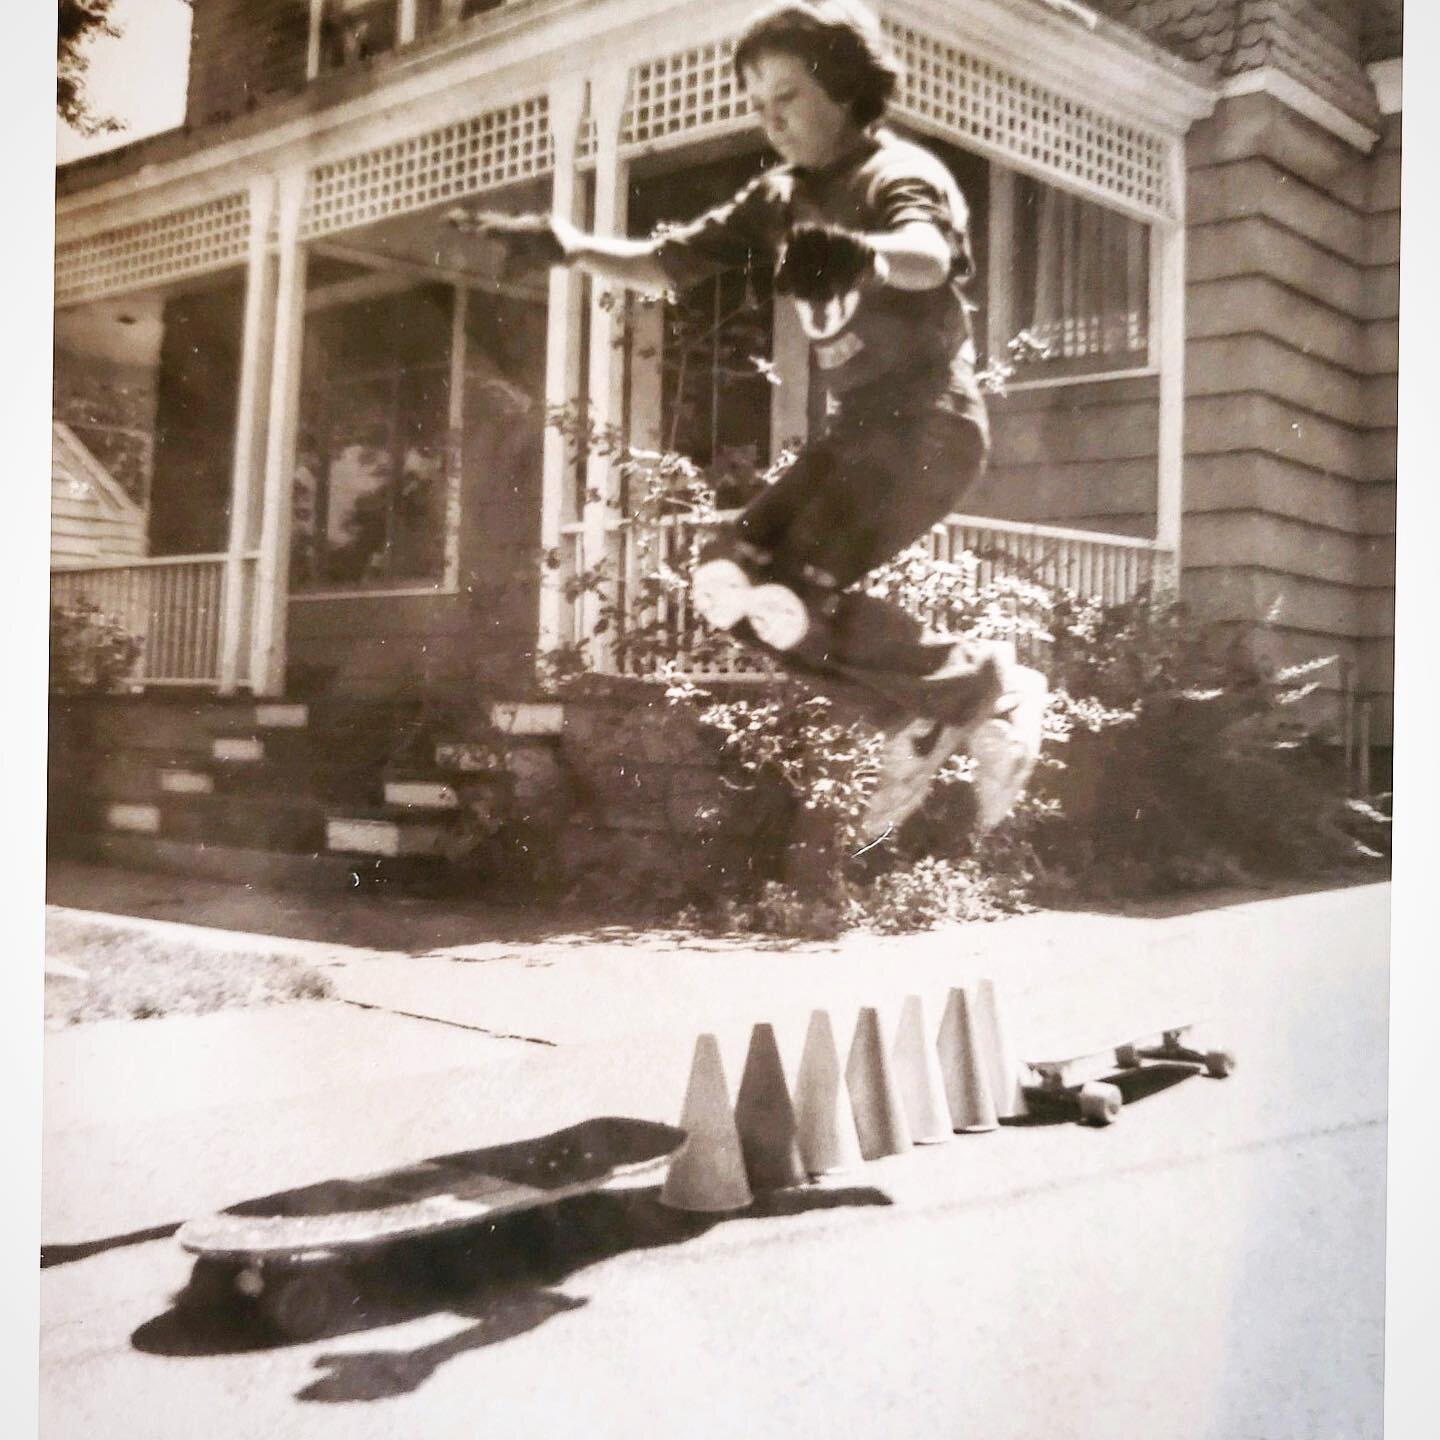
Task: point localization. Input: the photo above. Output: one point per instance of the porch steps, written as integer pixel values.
(239, 865)
(333, 793)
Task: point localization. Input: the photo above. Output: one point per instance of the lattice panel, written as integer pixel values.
(447, 163)
(689, 90)
(153, 252)
(973, 99)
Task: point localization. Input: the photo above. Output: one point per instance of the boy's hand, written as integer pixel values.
(821, 263)
(529, 243)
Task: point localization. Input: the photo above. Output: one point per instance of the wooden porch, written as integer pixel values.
(1102, 122)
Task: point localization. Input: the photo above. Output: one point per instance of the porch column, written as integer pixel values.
(790, 400)
(267, 656)
(312, 44)
(1169, 285)
(407, 21)
(562, 365)
(607, 370)
(248, 440)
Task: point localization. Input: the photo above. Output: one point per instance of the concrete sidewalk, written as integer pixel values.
(1214, 1264)
(440, 1038)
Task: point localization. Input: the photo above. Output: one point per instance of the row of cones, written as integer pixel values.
(916, 1092)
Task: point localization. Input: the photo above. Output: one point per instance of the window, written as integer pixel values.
(1076, 280)
(369, 506)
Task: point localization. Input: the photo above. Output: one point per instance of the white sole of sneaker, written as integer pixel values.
(720, 591)
(777, 615)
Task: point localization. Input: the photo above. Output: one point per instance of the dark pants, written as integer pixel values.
(876, 481)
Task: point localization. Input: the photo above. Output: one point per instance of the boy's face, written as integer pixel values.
(803, 124)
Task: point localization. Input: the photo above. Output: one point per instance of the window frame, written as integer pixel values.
(1000, 323)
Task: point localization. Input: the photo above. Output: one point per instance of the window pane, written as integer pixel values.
(1082, 279)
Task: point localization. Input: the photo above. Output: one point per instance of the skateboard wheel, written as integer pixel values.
(1219, 1063)
(721, 590)
(211, 1285)
(306, 1303)
(1100, 1104)
(778, 616)
(1127, 1057)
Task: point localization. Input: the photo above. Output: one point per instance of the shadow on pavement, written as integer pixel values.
(51, 1255)
(1132, 1084)
(503, 1276)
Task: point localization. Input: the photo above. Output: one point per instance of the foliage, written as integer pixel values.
(80, 21)
(90, 652)
(1173, 756)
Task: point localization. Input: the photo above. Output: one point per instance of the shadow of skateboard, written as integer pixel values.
(291, 1253)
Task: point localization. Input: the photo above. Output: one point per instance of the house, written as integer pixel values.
(1193, 204)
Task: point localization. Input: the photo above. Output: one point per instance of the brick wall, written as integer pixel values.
(1291, 393)
(242, 51)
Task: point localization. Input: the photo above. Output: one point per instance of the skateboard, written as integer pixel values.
(289, 1252)
(1075, 1080)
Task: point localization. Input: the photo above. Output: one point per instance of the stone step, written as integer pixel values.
(386, 833)
(317, 871)
(251, 822)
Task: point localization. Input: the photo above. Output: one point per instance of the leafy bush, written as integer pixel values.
(1173, 758)
(89, 651)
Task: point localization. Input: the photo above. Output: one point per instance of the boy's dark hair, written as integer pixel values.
(839, 41)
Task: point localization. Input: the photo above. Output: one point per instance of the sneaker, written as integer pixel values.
(909, 763)
(721, 593)
(1006, 747)
(777, 615)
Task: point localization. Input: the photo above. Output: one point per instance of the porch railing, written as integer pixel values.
(173, 604)
(1110, 569)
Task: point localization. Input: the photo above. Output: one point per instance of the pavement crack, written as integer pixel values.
(454, 1024)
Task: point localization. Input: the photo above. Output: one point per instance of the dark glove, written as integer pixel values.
(528, 242)
(821, 263)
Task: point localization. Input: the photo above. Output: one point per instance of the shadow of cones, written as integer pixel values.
(961, 1046)
(709, 1172)
(879, 1114)
(919, 1077)
(765, 1118)
(828, 1139)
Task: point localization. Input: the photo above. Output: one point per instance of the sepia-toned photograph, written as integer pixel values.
(721, 727)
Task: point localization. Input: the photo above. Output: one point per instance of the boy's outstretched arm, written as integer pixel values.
(616, 259)
(536, 242)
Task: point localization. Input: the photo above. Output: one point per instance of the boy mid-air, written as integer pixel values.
(869, 236)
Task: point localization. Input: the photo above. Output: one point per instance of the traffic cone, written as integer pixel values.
(879, 1114)
(918, 1075)
(1006, 1084)
(962, 1062)
(709, 1172)
(828, 1140)
(765, 1118)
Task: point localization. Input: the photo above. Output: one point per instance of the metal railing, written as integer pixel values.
(173, 605)
(639, 588)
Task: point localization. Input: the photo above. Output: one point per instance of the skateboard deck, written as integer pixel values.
(284, 1250)
(1075, 1078)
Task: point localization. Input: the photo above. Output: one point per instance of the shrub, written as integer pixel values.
(89, 651)
(1173, 758)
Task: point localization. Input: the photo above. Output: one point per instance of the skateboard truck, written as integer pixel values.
(1076, 1080)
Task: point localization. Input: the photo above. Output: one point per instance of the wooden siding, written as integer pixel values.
(91, 517)
(1083, 455)
(1291, 385)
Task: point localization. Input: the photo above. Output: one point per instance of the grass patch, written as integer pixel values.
(134, 975)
